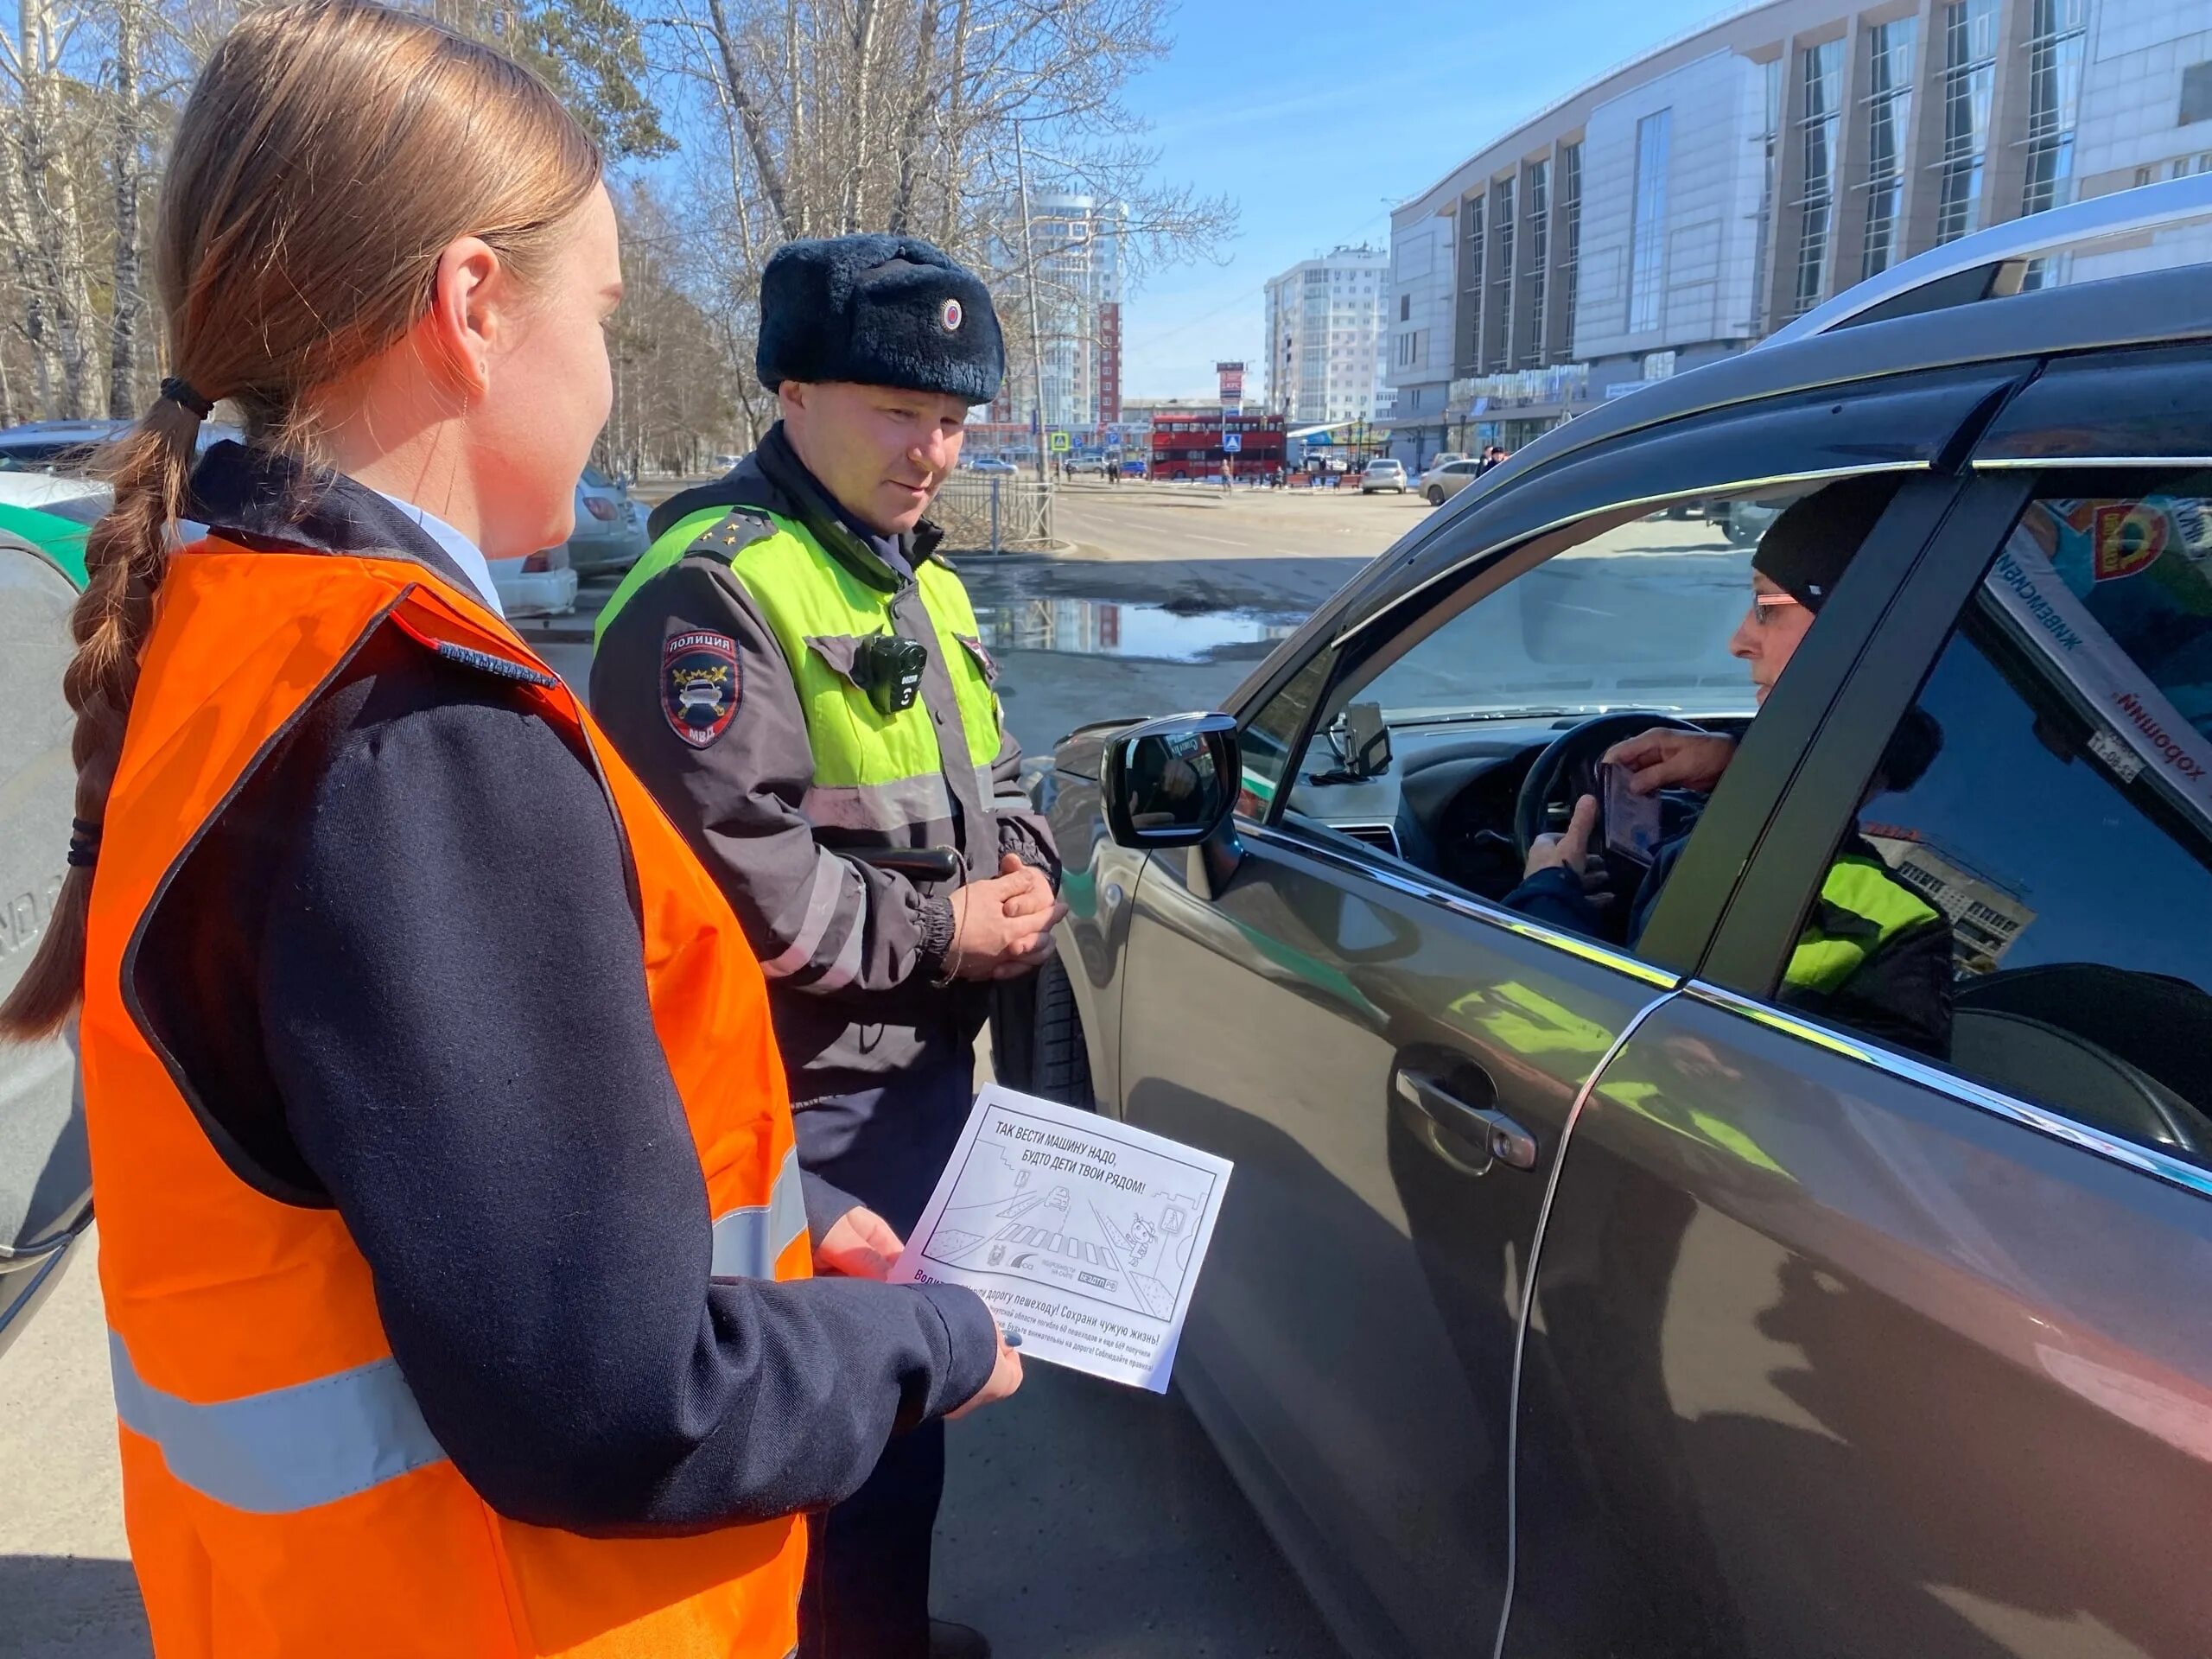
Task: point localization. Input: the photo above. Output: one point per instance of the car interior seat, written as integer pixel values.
(2118, 1050)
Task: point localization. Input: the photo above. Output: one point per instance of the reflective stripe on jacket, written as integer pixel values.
(1862, 907)
(283, 1493)
(806, 778)
(886, 774)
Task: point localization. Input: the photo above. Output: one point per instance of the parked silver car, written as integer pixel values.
(45, 1171)
(1447, 478)
(608, 537)
(65, 447)
(1383, 473)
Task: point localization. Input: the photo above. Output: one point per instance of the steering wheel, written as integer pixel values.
(1568, 767)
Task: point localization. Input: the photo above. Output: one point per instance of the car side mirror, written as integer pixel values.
(1171, 782)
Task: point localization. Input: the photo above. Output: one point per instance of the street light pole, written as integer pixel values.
(1029, 268)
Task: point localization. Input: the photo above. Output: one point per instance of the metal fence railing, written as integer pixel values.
(992, 513)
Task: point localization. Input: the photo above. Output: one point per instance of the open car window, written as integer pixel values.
(1422, 748)
(2023, 897)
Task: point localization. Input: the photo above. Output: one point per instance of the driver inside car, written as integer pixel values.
(1874, 955)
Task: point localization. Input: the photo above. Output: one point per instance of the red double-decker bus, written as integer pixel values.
(1187, 444)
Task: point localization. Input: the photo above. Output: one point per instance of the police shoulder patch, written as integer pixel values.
(734, 532)
(700, 681)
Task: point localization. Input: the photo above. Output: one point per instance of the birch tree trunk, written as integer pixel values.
(75, 300)
(128, 164)
(36, 235)
(920, 96)
(757, 138)
(15, 225)
(956, 128)
(861, 119)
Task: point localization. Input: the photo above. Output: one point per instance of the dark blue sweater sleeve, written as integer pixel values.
(1554, 897)
(454, 1009)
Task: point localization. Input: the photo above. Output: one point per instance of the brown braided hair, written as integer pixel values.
(329, 154)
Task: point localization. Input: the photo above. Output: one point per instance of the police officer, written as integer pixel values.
(798, 677)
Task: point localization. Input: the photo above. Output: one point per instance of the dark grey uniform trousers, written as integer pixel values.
(867, 1571)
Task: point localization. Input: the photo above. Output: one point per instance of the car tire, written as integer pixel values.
(1435, 496)
(1059, 1057)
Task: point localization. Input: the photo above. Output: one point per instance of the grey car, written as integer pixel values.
(45, 1171)
(1445, 479)
(1620, 1291)
(66, 448)
(608, 536)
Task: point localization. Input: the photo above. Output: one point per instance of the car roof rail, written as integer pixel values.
(1992, 265)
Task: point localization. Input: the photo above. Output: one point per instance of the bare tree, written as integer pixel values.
(910, 115)
(673, 410)
(129, 119)
(45, 231)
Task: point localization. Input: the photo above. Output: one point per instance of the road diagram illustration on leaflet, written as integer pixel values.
(1032, 1202)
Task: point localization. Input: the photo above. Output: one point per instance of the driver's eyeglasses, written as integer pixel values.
(1763, 603)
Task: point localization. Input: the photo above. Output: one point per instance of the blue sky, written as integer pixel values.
(1317, 118)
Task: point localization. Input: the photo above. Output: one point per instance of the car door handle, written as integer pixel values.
(1482, 1126)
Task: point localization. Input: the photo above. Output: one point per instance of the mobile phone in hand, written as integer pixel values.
(1631, 820)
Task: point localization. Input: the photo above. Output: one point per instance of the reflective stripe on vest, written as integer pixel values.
(1862, 907)
(872, 771)
(286, 1450)
(328, 1437)
(748, 1241)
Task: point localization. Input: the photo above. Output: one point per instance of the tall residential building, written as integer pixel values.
(1683, 207)
(1077, 243)
(1325, 337)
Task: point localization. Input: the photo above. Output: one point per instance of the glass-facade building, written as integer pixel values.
(1684, 207)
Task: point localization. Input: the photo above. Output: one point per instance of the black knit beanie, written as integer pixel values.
(1806, 551)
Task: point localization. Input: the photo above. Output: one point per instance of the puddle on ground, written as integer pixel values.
(1107, 628)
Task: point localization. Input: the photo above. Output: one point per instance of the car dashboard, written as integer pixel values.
(1442, 795)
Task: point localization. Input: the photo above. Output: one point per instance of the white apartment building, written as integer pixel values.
(1324, 332)
(1077, 242)
(1682, 207)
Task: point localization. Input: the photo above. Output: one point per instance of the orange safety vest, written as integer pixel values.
(283, 1493)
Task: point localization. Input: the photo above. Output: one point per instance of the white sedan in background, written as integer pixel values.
(1383, 473)
(543, 584)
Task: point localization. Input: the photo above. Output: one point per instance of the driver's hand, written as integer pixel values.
(1570, 850)
(1664, 759)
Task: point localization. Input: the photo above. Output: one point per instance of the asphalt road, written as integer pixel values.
(1080, 1519)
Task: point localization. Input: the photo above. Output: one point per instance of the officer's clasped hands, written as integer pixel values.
(1002, 926)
